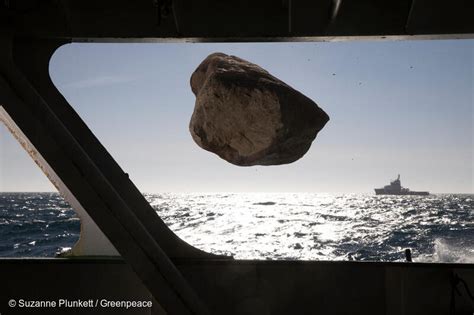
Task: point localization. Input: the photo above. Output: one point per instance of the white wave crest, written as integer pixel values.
(448, 252)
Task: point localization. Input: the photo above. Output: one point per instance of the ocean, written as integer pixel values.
(306, 226)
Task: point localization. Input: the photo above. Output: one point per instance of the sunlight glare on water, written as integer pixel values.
(322, 226)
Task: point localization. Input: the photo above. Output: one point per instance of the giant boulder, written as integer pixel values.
(247, 116)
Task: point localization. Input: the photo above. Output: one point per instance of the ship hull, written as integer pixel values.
(381, 191)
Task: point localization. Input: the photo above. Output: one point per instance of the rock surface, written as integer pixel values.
(247, 116)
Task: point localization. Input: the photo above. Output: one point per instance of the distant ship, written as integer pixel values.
(395, 188)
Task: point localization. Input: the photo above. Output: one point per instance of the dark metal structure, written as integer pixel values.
(179, 277)
(246, 20)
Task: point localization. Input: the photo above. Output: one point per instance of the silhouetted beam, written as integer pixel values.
(246, 20)
(79, 168)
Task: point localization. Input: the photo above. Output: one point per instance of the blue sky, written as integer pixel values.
(396, 107)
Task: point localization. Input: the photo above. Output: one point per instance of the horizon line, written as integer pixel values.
(247, 192)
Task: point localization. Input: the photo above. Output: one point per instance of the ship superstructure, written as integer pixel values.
(396, 188)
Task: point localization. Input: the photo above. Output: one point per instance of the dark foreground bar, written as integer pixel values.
(242, 287)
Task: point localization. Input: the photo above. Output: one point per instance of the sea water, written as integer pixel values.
(309, 226)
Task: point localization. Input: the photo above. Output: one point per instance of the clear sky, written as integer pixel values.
(395, 107)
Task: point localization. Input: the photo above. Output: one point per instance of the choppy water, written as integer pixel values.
(437, 228)
(36, 224)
